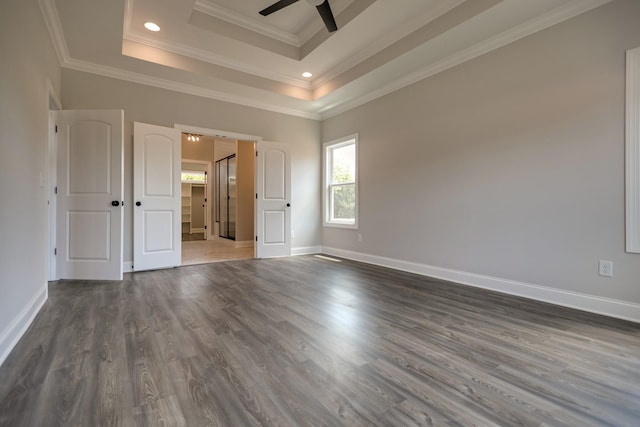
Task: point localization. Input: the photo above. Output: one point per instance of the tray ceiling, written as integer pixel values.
(224, 49)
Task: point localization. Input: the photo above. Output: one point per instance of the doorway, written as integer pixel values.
(195, 216)
(227, 194)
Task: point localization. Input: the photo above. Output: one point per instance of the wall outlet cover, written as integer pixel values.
(605, 268)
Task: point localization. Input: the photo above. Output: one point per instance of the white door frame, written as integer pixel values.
(220, 134)
(207, 213)
(51, 167)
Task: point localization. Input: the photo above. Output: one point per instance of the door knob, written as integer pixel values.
(288, 205)
(138, 203)
(115, 203)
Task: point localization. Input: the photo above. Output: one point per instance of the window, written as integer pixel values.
(193, 176)
(340, 195)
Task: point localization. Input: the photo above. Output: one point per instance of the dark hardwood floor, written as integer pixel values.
(306, 341)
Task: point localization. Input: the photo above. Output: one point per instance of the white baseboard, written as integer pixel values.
(127, 267)
(244, 244)
(19, 325)
(226, 241)
(306, 250)
(591, 303)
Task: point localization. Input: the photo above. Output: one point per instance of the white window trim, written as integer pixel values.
(633, 151)
(336, 143)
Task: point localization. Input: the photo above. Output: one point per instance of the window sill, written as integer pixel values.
(338, 225)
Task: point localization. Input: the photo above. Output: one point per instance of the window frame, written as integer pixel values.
(327, 185)
(632, 151)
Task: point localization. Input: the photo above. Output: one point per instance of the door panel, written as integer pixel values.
(274, 180)
(89, 140)
(274, 227)
(157, 197)
(273, 212)
(85, 223)
(154, 241)
(158, 173)
(90, 192)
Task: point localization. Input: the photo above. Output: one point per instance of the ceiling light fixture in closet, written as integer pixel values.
(152, 26)
(193, 137)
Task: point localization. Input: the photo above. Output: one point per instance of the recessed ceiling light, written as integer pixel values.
(151, 26)
(307, 74)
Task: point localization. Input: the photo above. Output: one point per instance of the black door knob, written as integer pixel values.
(138, 203)
(115, 203)
(288, 205)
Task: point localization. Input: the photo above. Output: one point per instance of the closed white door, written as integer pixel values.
(89, 197)
(273, 201)
(156, 197)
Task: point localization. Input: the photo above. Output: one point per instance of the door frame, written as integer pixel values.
(207, 213)
(226, 135)
(51, 168)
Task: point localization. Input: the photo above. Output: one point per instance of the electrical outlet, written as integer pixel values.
(359, 238)
(605, 268)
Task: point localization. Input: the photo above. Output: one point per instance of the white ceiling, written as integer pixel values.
(224, 49)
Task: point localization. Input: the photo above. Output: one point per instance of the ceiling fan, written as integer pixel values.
(324, 9)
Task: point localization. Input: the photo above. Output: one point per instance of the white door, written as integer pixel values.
(156, 197)
(89, 194)
(273, 201)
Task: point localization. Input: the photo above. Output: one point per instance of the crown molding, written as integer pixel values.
(553, 17)
(211, 58)
(134, 77)
(54, 27)
(311, 28)
(52, 21)
(383, 42)
(567, 11)
(200, 54)
(254, 25)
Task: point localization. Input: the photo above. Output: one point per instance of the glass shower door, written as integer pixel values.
(232, 200)
(226, 196)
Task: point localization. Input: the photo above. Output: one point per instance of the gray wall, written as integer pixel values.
(165, 108)
(510, 165)
(28, 60)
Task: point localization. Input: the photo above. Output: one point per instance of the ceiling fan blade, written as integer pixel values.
(327, 16)
(276, 7)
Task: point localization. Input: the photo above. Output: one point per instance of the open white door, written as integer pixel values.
(89, 194)
(273, 201)
(156, 197)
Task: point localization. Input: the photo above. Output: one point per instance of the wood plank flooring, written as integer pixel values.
(306, 341)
